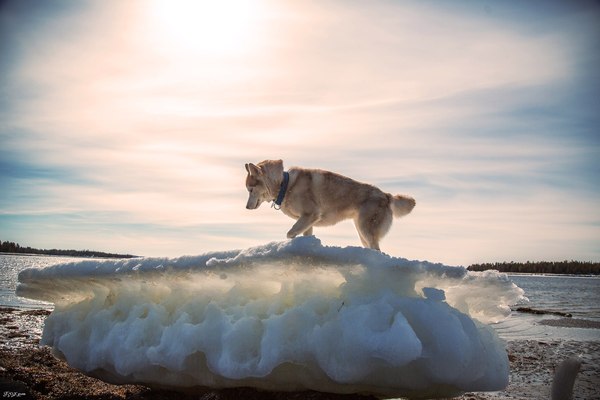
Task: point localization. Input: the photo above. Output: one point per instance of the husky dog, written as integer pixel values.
(314, 197)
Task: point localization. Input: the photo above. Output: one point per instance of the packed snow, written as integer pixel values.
(292, 315)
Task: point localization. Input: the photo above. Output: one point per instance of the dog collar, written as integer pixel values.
(277, 202)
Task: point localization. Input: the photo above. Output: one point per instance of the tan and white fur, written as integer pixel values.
(316, 197)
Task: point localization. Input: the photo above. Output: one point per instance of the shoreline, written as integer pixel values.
(95, 255)
(27, 368)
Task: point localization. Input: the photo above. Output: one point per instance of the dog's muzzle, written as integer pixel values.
(252, 205)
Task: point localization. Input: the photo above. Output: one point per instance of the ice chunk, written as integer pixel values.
(291, 315)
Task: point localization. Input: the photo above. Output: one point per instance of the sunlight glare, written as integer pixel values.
(223, 27)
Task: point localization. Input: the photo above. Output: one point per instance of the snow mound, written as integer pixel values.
(292, 315)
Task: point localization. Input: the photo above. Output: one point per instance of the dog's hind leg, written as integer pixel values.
(367, 237)
(364, 241)
(308, 232)
(372, 223)
(369, 241)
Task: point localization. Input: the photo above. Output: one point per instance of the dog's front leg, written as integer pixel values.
(304, 223)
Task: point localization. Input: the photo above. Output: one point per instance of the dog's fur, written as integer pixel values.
(320, 198)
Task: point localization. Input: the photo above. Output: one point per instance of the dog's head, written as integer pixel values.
(263, 182)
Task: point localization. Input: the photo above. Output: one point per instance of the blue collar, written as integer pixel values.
(282, 189)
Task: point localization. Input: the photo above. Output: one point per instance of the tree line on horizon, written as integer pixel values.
(542, 267)
(12, 247)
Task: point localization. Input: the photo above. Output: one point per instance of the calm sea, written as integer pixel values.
(577, 295)
(11, 265)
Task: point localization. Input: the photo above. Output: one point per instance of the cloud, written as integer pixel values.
(483, 113)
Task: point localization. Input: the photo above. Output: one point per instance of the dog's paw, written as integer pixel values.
(291, 235)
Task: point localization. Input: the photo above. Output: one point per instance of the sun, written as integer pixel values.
(217, 27)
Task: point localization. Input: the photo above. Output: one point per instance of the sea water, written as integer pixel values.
(573, 294)
(569, 294)
(11, 265)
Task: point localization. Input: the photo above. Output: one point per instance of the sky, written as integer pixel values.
(125, 126)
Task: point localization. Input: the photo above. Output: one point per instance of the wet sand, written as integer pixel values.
(28, 371)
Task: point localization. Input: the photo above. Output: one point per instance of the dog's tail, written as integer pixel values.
(402, 205)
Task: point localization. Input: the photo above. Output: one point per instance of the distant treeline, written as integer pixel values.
(11, 247)
(542, 267)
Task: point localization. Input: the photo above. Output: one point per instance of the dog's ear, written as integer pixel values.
(253, 170)
(272, 169)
